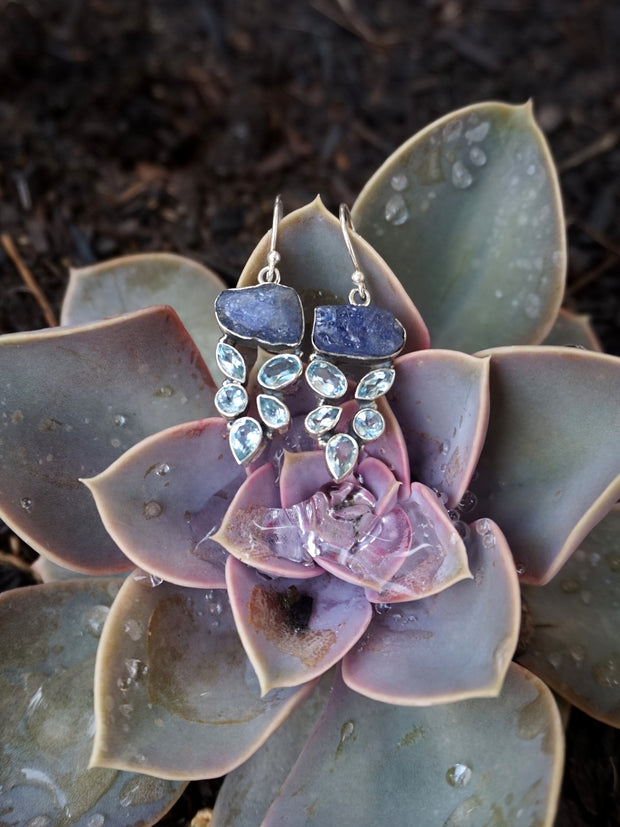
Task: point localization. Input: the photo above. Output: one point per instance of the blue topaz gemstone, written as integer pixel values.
(246, 439)
(368, 424)
(357, 332)
(269, 315)
(375, 384)
(341, 453)
(273, 412)
(322, 419)
(325, 379)
(231, 400)
(230, 362)
(280, 371)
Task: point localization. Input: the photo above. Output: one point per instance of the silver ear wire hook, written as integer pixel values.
(270, 272)
(359, 295)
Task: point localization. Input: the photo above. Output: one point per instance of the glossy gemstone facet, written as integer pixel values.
(368, 424)
(231, 400)
(375, 384)
(280, 371)
(341, 454)
(265, 314)
(357, 332)
(322, 419)
(273, 412)
(326, 379)
(230, 362)
(246, 438)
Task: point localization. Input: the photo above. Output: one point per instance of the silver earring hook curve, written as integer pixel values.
(270, 272)
(359, 295)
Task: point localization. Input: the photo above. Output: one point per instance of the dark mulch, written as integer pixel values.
(134, 125)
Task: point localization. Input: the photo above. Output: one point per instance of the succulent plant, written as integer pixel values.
(341, 650)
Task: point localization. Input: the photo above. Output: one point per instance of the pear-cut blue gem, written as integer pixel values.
(322, 419)
(246, 439)
(231, 400)
(375, 384)
(341, 453)
(273, 412)
(269, 315)
(230, 362)
(280, 371)
(326, 379)
(357, 332)
(368, 424)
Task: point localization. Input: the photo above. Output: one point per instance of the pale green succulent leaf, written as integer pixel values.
(130, 283)
(468, 215)
(550, 466)
(476, 762)
(72, 400)
(175, 694)
(573, 330)
(49, 639)
(571, 629)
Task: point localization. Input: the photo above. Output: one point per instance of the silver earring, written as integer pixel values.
(267, 315)
(364, 340)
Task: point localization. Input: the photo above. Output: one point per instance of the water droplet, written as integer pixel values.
(570, 585)
(120, 420)
(133, 629)
(461, 176)
(452, 131)
(462, 529)
(162, 469)
(94, 619)
(577, 652)
(346, 731)
(613, 560)
(445, 446)
(399, 182)
(607, 671)
(152, 509)
(459, 775)
(39, 821)
(396, 211)
(165, 391)
(115, 443)
(215, 609)
(483, 526)
(531, 170)
(488, 540)
(520, 568)
(96, 820)
(532, 306)
(555, 659)
(125, 710)
(136, 669)
(154, 580)
(477, 156)
(468, 502)
(454, 515)
(26, 504)
(382, 608)
(478, 133)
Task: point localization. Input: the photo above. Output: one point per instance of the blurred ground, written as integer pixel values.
(134, 125)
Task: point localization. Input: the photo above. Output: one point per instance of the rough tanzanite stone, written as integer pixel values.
(269, 315)
(357, 332)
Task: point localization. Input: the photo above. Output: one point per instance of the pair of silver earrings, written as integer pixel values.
(356, 336)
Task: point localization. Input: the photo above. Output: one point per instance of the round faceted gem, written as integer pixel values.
(230, 362)
(273, 412)
(280, 371)
(341, 453)
(246, 439)
(231, 400)
(375, 384)
(322, 419)
(368, 424)
(326, 379)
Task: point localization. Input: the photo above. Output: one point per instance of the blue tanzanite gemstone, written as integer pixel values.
(357, 332)
(269, 315)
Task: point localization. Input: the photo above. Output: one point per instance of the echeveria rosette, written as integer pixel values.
(176, 694)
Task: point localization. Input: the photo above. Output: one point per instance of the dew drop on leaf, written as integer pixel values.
(458, 775)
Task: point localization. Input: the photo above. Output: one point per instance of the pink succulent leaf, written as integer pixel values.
(433, 557)
(294, 630)
(259, 532)
(74, 399)
(318, 266)
(165, 498)
(421, 652)
(441, 401)
(550, 467)
(175, 695)
(302, 475)
(482, 761)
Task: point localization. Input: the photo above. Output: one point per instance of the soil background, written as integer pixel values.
(136, 125)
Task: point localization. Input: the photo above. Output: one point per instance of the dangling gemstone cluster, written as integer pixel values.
(361, 335)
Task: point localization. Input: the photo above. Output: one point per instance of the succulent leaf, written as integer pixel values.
(47, 652)
(441, 401)
(571, 628)
(73, 399)
(573, 330)
(452, 212)
(175, 694)
(454, 645)
(164, 498)
(314, 253)
(130, 283)
(294, 630)
(475, 762)
(549, 469)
